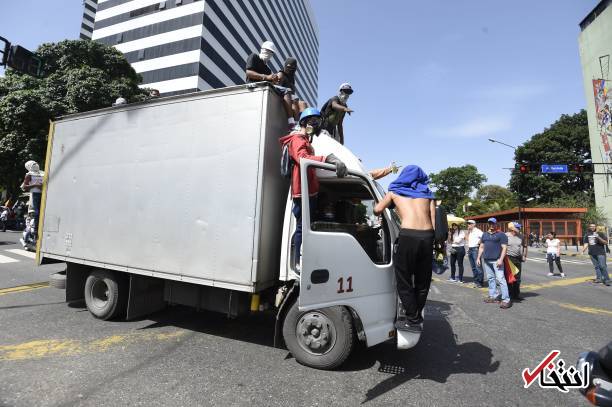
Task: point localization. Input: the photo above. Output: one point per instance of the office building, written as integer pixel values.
(180, 46)
(595, 43)
(89, 16)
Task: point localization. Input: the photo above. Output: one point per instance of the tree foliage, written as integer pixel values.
(454, 184)
(565, 142)
(488, 198)
(79, 76)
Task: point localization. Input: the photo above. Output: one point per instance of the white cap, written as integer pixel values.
(269, 45)
(471, 222)
(120, 101)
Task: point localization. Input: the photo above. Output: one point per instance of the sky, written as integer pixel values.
(433, 80)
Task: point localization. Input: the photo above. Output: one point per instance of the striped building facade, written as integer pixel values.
(89, 17)
(180, 46)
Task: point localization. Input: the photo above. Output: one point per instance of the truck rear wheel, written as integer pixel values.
(322, 339)
(105, 294)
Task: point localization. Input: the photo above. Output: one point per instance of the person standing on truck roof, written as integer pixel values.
(33, 183)
(257, 70)
(413, 254)
(286, 80)
(334, 110)
(300, 147)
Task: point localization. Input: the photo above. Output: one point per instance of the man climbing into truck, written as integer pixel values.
(300, 147)
(257, 70)
(413, 253)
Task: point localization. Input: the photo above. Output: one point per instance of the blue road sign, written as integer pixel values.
(554, 168)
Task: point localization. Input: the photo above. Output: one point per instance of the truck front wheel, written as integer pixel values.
(105, 294)
(322, 338)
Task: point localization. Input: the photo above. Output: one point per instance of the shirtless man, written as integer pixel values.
(416, 206)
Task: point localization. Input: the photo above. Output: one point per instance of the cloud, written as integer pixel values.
(474, 128)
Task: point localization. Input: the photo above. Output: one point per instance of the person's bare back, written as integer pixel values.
(415, 213)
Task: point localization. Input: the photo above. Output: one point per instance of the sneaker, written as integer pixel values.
(452, 280)
(460, 282)
(23, 243)
(477, 285)
(405, 325)
(562, 275)
(490, 300)
(597, 281)
(550, 274)
(606, 283)
(505, 305)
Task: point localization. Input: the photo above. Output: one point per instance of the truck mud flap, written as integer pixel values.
(76, 274)
(291, 296)
(146, 296)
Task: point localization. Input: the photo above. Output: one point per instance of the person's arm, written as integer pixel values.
(385, 203)
(298, 149)
(256, 76)
(26, 182)
(480, 250)
(601, 239)
(341, 131)
(380, 172)
(341, 108)
(500, 261)
(558, 248)
(525, 248)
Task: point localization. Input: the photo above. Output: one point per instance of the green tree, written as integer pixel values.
(565, 142)
(454, 184)
(79, 76)
(488, 198)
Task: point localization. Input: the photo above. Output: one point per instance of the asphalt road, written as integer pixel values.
(470, 354)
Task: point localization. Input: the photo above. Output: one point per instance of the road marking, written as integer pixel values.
(562, 261)
(580, 308)
(70, 347)
(6, 259)
(22, 252)
(562, 282)
(22, 288)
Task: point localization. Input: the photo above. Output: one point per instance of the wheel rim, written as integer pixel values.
(99, 293)
(315, 333)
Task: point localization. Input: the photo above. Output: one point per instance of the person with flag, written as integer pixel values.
(515, 256)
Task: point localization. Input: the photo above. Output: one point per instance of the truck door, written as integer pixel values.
(346, 250)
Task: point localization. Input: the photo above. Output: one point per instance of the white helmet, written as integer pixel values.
(269, 45)
(346, 88)
(120, 101)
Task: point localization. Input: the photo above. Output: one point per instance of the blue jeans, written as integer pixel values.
(496, 277)
(601, 268)
(297, 235)
(476, 271)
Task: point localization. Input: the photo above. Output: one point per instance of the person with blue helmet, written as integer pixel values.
(299, 145)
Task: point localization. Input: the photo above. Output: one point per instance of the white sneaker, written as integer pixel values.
(452, 280)
(550, 274)
(562, 275)
(23, 243)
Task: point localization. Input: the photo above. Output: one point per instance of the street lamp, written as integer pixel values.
(518, 185)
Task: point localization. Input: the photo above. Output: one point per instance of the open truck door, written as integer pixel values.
(347, 252)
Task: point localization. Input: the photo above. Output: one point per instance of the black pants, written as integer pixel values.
(457, 257)
(412, 257)
(515, 288)
(551, 260)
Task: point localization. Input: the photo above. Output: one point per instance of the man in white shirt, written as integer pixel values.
(474, 236)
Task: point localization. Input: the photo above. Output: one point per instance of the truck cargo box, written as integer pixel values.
(185, 188)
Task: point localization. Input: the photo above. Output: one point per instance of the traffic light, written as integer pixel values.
(580, 168)
(523, 168)
(22, 60)
(526, 168)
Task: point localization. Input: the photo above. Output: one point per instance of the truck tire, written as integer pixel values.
(322, 338)
(58, 280)
(105, 294)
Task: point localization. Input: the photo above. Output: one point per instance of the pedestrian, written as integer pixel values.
(300, 147)
(553, 253)
(473, 237)
(32, 183)
(413, 255)
(456, 240)
(286, 80)
(491, 253)
(517, 254)
(334, 110)
(257, 70)
(596, 243)
(3, 217)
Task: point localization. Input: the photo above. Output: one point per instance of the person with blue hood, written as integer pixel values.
(410, 195)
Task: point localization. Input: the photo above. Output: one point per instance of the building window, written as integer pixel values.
(119, 38)
(141, 54)
(560, 228)
(571, 228)
(179, 2)
(162, 5)
(144, 10)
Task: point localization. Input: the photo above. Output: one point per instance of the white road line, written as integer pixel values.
(22, 252)
(6, 259)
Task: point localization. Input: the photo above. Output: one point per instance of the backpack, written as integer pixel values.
(286, 163)
(441, 232)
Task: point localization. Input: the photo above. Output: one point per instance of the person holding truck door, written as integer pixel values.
(413, 252)
(299, 146)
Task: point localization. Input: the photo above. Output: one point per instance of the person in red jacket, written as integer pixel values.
(299, 146)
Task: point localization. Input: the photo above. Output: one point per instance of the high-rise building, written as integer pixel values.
(89, 16)
(180, 46)
(595, 43)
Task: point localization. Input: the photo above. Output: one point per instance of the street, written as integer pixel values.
(471, 353)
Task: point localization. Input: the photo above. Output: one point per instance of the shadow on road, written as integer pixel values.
(436, 357)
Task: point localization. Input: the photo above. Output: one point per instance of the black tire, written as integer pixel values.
(105, 294)
(58, 280)
(339, 330)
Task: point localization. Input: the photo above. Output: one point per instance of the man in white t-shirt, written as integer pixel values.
(474, 236)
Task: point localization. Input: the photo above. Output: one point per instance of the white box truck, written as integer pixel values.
(180, 200)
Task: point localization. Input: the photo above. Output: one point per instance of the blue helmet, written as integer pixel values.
(311, 111)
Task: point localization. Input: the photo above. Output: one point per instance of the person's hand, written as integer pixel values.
(499, 263)
(348, 110)
(524, 259)
(393, 167)
(478, 262)
(341, 170)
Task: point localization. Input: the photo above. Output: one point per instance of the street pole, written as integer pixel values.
(518, 184)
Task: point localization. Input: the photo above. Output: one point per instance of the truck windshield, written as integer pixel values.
(394, 214)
